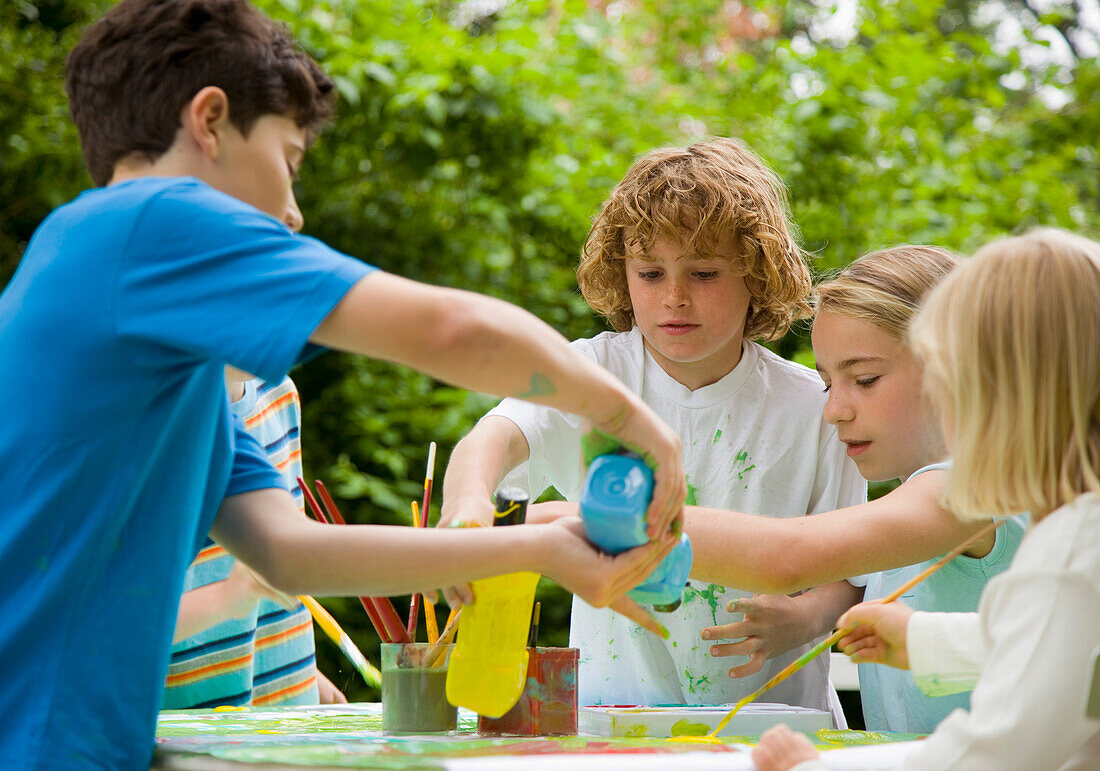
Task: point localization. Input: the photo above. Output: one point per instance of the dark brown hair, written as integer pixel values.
(696, 195)
(134, 70)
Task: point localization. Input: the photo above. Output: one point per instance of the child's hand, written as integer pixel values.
(781, 749)
(600, 579)
(327, 691)
(773, 624)
(243, 588)
(640, 430)
(472, 512)
(878, 633)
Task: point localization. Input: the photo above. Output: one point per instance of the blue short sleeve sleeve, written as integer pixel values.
(251, 469)
(209, 276)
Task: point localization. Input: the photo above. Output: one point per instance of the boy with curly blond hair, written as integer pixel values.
(692, 258)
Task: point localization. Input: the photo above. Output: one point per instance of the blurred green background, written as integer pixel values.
(476, 140)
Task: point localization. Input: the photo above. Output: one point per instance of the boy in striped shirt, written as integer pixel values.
(239, 642)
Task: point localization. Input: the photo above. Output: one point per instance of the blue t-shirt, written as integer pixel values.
(118, 445)
(891, 700)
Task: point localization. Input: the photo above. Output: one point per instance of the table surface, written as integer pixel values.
(350, 736)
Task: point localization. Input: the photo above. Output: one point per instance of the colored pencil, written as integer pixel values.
(421, 520)
(328, 624)
(380, 610)
(392, 622)
(434, 654)
(828, 642)
(414, 601)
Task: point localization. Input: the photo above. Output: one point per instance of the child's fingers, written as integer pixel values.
(457, 596)
(734, 631)
(634, 566)
(739, 648)
(855, 635)
(667, 506)
(750, 667)
(638, 615)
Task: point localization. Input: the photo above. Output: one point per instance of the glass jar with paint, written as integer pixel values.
(489, 666)
(616, 493)
(414, 688)
(548, 704)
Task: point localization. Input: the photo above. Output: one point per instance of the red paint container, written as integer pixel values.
(548, 704)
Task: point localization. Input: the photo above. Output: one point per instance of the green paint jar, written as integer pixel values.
(414, 689)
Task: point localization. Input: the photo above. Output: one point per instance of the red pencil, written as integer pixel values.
(375, 613)
(395, 631)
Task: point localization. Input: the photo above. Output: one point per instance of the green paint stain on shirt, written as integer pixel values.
(691, 499)
(717, 435)
(693, 593)
(697, 684)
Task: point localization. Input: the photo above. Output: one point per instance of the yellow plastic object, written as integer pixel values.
(489, 664)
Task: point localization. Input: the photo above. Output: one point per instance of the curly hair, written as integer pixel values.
(699, 195)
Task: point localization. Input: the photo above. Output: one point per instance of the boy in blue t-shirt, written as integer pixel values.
(119, 452)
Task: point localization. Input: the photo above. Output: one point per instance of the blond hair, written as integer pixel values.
(885, 287)
(1010, 347)
(696, 196)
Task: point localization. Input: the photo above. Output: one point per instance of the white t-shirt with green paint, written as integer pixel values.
(754, 441)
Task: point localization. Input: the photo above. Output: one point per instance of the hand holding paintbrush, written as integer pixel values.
(842, 633)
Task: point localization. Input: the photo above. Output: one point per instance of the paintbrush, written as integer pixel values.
(533, 635)
(380, 610)
(328, 624)
(435, 654)
(421, 520)
(828, 642)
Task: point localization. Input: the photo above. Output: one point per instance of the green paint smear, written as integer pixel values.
(540, 386)
(696, 684)
(691, 499)
(317, 736)
(717, 435)
(596, 443)
(708, 595)
(684, 728)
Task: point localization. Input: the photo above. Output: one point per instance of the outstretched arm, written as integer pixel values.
(297, 555)
(492, 346)
(781, 556)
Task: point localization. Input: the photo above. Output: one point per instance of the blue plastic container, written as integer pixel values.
(616, 493)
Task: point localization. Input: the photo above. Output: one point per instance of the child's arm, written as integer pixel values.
(300, 556)
(233, 597)
(780, 556)
(774, 624)
(478, 463)
(327, 692)
(488, 345)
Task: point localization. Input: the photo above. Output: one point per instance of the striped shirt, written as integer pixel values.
(265, 658)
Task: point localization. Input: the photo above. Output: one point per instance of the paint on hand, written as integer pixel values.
(540, 386)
